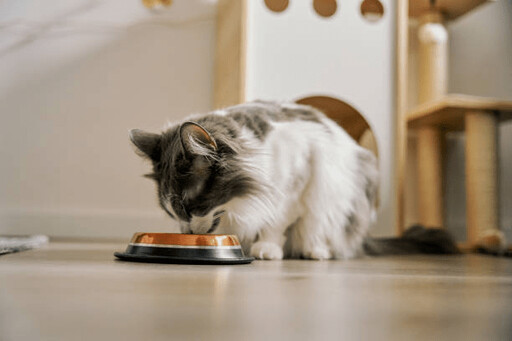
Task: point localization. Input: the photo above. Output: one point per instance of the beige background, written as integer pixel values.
(76, 76)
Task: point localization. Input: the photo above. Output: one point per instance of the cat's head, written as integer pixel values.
(197, 171)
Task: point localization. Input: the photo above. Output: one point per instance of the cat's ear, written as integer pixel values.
(196, 140)
(147, 143)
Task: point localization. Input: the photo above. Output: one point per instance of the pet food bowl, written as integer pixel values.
(184, 248)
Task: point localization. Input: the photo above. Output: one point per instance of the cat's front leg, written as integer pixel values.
(307, 239)
(269, 245)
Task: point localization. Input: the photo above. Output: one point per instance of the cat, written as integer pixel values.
(283, 177)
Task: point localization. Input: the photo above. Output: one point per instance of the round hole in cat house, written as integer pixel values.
(154, 3)
(325, 8)
(276, 5)
(372, 10)
(347, 117)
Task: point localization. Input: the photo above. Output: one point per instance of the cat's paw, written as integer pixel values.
(266, 250)
(319, 253)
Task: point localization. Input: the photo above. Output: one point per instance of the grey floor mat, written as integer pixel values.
(17, 244)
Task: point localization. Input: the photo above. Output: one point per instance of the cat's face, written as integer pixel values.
(195, 172)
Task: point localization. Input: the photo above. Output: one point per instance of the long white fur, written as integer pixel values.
(311, 185)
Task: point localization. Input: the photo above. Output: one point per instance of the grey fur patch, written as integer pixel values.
(148, 144)
(368, 169)
(258, 116)
(352, 226)
(257, 121)
(416, 239)
(194, 183)
(303, 113)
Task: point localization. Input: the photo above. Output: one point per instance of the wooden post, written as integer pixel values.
(433, 58)
(229, 70)
(481, 177)
(430, 185)
(402, 38)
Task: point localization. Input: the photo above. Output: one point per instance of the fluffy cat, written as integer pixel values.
(283, 177)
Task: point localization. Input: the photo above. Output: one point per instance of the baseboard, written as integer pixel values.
(90, 224)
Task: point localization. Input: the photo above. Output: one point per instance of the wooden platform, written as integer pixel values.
(448, 113)
(74, 291)
(451, 9)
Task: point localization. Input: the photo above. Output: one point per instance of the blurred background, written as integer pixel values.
(76, 75)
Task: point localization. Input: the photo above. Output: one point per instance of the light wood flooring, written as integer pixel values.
(77, 291)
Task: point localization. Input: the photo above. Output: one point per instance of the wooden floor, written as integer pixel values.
(71, 291)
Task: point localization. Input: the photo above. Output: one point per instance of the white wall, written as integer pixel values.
(75, 77)
(297, 53)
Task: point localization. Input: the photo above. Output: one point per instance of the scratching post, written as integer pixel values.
(433, 59)
(481, 176)
(438, 112)
(230, 53)
(430, 176)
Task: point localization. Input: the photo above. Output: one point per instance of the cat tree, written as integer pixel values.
(439, 112)
(340, 57)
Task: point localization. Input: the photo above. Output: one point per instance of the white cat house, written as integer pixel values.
(337, 55)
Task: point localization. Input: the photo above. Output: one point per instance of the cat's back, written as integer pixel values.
(266, 112)
(270, 123)
(263, 117)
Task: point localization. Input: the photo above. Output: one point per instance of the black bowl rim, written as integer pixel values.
(180, 260)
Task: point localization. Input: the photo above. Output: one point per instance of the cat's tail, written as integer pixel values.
(415, 240)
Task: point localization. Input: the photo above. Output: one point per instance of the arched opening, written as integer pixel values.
(347, 117)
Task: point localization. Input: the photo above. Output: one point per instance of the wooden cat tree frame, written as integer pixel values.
(436, 113)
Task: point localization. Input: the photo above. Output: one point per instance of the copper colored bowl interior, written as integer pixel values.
(185, 239)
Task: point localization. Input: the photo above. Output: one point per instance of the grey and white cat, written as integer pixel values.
(283, 177)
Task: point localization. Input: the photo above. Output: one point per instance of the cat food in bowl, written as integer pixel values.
(184, 248)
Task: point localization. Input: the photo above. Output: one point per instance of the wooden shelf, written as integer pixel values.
(448, 112)
(451, 9)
